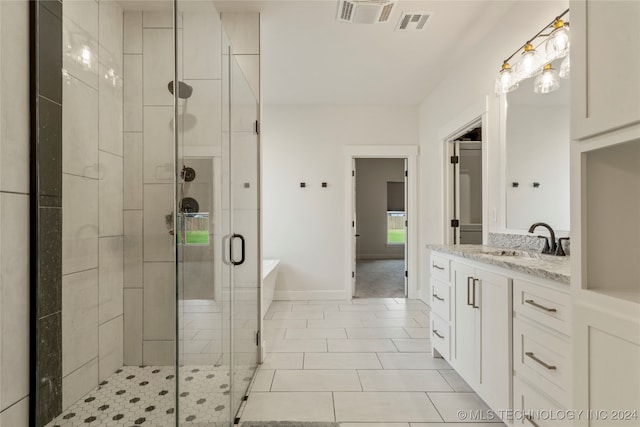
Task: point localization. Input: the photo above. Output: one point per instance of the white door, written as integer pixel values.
(354, 229)
(406, 229)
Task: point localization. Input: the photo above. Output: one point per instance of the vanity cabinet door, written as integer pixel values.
(467, 321)
(494, 293)
(605, 82)
(482, 354)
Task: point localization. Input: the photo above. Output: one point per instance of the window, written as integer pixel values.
(396, 233)
(396, 215)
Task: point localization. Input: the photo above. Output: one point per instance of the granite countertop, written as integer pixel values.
(550, 267)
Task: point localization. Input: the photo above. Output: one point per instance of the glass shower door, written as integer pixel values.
(244, 218)
(217, 192)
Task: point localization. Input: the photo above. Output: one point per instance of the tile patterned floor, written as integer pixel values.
(136, 395)
(364, 363)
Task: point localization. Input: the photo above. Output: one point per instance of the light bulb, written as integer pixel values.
(547, 82)
(505, 82)
(565, 67)
(530, 63)
(558, 42)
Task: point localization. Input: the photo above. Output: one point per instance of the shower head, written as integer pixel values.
(184, 90)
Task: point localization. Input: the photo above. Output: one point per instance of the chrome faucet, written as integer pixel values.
(548, 249)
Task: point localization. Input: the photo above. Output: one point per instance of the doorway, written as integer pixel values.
(465, 163)
(380, 227)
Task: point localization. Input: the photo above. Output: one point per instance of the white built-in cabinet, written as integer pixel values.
(605, 65)
(605, 211)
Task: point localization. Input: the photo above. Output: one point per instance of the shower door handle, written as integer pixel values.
(242, 253)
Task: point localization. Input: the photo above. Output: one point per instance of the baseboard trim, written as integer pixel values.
(310, 295)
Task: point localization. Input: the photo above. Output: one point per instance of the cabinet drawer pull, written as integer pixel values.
(436, 266)
(437, 297)
(435, 332)
(469, 279)
(532, 356)
(474, 293)
(535, 304)
(530, 419)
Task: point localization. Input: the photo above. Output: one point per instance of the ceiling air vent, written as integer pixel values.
(413, 21)
(365, 11)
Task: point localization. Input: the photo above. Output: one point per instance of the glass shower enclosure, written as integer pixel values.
(155, 320)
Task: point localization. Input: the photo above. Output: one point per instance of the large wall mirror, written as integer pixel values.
(537, 157)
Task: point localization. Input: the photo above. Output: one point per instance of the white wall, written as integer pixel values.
(372, 176)
(469, 84)
(303, 227)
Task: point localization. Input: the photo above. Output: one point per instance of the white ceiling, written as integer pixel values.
(311, 58)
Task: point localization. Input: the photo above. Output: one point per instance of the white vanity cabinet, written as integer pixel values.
(507, 333)
(482, 346)
(605, 66)
(542, 363)
(471, 324)
(441, 310)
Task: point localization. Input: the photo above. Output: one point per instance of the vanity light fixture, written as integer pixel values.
(558, 42)
(535, 61)
(531, 62)
(506, 81)
(548, 81)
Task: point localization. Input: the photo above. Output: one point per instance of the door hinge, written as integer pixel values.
(258, 338)
(455, 160)
(353, 274)
(406, 173)
(406, 273)
(353, 223)
(353, 173)
(455, 223)
(257, 127)
(236, 421)
(406, 223)
(245, 398)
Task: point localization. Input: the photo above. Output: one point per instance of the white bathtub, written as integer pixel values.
(269, 278)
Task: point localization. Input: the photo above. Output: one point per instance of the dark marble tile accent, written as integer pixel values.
(49, 53)
(46, 210)
(50, 150)
(49, 402)
(50, 348)
(49, 397)
(50, 261)
(54, 6)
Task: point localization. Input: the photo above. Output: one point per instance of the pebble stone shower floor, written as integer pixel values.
(144, 396)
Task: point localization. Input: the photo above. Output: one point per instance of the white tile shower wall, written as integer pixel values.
(110, 278)
(148, 160)
(14, 290)
(14, 86)
(14, 217)
(79, 319)
(92, 195)
(133, 249)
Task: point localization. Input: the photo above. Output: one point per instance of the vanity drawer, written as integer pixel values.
(534, 409)
(543, 359)
(439, 268)
(440, 336)
(550, 307)
(441, 299)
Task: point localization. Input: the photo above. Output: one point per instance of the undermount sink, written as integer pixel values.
(515, 254)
